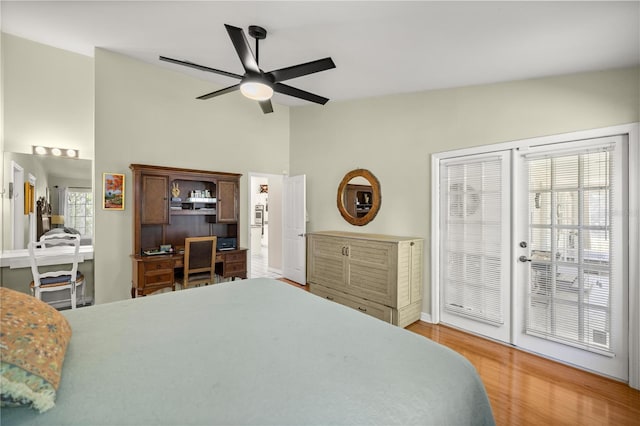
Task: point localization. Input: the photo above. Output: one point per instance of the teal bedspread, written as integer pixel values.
(254, 352)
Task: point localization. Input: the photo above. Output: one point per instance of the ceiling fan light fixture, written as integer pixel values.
(256, 90)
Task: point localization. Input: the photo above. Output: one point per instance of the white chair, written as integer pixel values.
(62, 251)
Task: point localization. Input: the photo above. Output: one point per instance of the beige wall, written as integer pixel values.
(148, 114)
(47, 100)
(48, 97)
(394, 136)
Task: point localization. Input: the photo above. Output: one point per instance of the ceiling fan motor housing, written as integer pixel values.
(257, 32)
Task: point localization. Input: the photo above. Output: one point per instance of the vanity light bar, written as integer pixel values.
(56, 152)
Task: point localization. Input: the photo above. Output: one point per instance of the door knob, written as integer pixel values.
(524, 259)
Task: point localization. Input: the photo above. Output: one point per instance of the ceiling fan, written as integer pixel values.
(255, 83)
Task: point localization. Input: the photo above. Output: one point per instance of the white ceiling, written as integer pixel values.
(379, 47)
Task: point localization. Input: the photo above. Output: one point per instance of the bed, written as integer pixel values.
(256, 352)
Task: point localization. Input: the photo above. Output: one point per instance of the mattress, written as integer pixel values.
(253, 352)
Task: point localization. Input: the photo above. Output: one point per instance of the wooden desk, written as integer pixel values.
(153, 273)
(169, 206)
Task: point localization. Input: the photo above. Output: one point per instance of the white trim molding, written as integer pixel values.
(634, 256)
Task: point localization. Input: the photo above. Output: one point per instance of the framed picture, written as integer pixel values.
(29, 195)
(113, 191)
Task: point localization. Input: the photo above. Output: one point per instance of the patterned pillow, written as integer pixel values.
(33, 342)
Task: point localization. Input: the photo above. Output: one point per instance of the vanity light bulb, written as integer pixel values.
(41, 150)
(56, 152)
(71, 153)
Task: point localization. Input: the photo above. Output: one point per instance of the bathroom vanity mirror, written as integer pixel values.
(57, 181)
(359, 197)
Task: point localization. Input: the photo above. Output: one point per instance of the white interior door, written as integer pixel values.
(475, 288)
(294, 228)
(17, 206)
(572, 249)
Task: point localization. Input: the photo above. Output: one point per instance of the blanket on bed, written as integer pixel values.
(253, 352)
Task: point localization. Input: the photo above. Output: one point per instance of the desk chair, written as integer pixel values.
(199, 261)
(64, 251)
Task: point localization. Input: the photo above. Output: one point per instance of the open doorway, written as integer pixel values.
(17, 207)
(265, 225)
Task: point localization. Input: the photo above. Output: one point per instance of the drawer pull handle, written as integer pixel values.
(362, 309)
(329, 297)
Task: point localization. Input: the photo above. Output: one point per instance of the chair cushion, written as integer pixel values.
(33, 344)
(60, 279)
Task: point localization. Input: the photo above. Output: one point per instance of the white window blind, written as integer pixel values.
(471, 249)
(78, 210)
(570, 227)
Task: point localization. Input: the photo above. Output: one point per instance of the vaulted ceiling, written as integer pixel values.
(379, 47)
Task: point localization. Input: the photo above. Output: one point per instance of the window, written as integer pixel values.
(79, 211)
(570, 206)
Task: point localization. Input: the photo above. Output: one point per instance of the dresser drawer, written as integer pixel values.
(234, 267)
(232, 264)
(327, 293)
(158, 265)
(156, 278)
(376, 310)
(235, 257)
(368, 307)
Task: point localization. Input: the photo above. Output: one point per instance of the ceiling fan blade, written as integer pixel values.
(241, 44)
(292, 91)
(266, 106)
(220, 92)
(302, 69)
(199, 67)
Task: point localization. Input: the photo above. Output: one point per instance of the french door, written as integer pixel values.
(571, 254)
(533, 250)
(474, 252)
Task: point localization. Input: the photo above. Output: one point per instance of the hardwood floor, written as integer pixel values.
(525, 389)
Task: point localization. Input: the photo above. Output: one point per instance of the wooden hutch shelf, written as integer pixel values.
(171, 204)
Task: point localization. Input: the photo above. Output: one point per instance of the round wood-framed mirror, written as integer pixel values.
(359, 197)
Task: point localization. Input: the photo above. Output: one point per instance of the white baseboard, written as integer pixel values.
(426, 317)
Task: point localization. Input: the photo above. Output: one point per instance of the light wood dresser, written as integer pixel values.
(380, 275)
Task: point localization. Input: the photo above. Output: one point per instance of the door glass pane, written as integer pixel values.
(564, 172)
(570, 224)
(472, 246)
(540, 207)
(567, 243)
(540, 175)
(596, 207)
(567, 207)
(540, 241)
